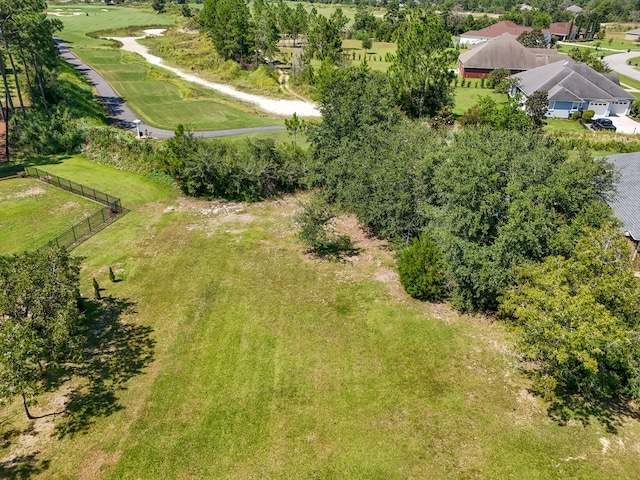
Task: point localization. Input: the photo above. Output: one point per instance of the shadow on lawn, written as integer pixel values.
(611, 413)
(23, 467)
(115, 352)
(12, 168)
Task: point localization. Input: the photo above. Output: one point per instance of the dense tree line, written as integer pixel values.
(28, 54)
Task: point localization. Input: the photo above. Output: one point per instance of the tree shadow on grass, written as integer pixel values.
(114, 353)
(13, 167)
(611, 413)
(24, 466)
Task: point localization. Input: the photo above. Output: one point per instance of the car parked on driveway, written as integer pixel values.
(603, 124)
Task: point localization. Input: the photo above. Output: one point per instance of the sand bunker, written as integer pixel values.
(278, 107)
(64, 14)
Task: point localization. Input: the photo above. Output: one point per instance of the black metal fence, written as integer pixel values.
(88, 192)
(85, 228)
(90, 225)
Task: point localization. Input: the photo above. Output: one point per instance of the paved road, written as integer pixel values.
(618, 62)
(123, 117)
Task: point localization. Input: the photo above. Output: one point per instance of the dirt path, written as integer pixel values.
(278, 107)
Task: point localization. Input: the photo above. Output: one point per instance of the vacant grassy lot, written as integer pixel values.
(266, 363)
(33, 213)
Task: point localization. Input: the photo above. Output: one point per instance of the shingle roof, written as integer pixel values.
(498, 29)
(566, 80)
(574, 9)
(626, 204)
(506, 52)
(635, 31)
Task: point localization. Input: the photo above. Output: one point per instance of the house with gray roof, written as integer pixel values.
(633, 35)
(625, 203)
(575, 9)
(575, 87)
(504, 52)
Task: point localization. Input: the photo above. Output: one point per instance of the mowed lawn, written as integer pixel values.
(268, 363)
(32, 213)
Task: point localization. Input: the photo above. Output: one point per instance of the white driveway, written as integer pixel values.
(624, 124)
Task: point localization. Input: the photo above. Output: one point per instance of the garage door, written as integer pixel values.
(599, 107)
(619, 108)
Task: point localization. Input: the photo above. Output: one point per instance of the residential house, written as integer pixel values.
(575, 9)
(575, 87)
(633, 35)
(492, 31)
(625, 203)
(504, 52)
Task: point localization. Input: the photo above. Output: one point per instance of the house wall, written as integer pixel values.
(472, 40)
(471, 72)
(632, 37)
(565, 109)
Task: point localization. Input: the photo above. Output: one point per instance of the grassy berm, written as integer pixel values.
(227, 352)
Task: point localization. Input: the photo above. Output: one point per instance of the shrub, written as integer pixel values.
(316, 230)
(421, 269)
(473, 116)
(576, 116)
(112, 276)
(635, 109)
(496, 77)
(96, 289)
(587, 115)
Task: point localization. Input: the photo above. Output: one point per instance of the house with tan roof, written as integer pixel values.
(504, 52)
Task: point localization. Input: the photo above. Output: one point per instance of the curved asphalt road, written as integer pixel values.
(122, 116)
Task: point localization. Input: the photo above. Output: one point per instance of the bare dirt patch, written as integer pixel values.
(29, 192)
(93, 463)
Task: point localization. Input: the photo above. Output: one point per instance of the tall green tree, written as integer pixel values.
(39, 320)
(504, 200)
(266, 32)
(420, 73)
(228, 23)
(577, 319)
(324, 41)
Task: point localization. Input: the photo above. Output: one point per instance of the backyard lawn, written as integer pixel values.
(34, 213)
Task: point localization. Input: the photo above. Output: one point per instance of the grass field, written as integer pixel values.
(241, 357)
(33, 213)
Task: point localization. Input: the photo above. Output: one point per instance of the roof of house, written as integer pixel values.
(571, 81)
(635, 31)
(506, 52)
(625, 204)
(574, 9)
(498, 29)
(560, 28)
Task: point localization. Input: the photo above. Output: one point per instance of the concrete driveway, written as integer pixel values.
(624, 124)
